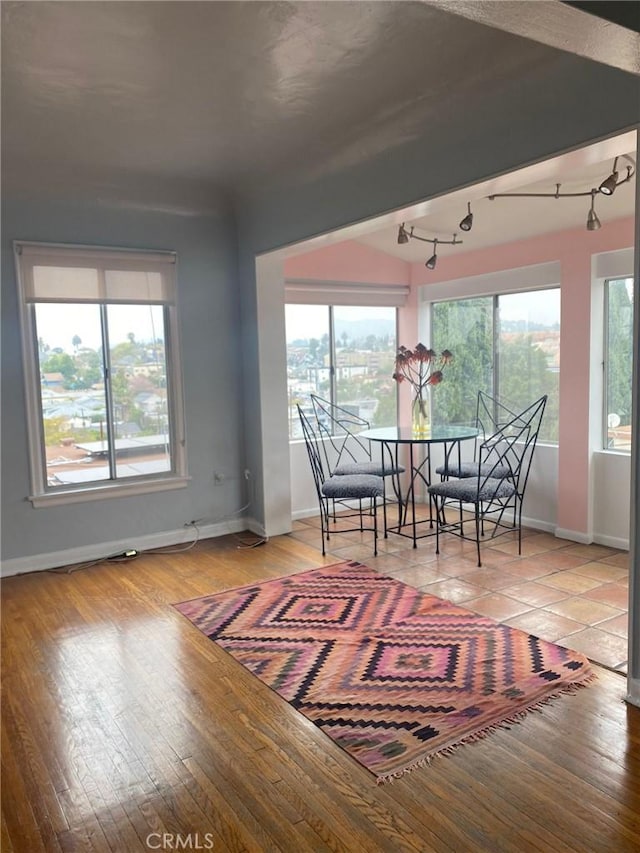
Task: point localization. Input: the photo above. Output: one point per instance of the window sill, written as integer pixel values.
(99, 493)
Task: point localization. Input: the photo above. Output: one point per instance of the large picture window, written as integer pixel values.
(506, 345)
(344, 354)
(101, 369)
(618, 363)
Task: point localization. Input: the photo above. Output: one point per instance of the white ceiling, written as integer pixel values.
(505, 220)
(177, 101)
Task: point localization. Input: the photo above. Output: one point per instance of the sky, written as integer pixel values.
(58, 324)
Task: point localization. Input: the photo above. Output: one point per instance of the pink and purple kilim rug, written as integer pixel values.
(392, 675)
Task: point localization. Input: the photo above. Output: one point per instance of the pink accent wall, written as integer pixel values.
(349, 261)
(573, 249)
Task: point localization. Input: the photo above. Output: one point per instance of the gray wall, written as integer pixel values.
(208, 318)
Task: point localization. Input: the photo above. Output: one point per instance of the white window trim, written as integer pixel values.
(40, 495)
(605, 266)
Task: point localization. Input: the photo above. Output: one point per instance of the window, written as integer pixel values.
(344, 354)
(507, 345)
(618, 358)
(101, 370)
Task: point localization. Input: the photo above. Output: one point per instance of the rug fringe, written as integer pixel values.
(515, 719)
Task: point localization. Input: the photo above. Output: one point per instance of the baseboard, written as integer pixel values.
(611, 541)
(574, 535)
(102, 550)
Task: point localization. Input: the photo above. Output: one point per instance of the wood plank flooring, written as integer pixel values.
(125, 729)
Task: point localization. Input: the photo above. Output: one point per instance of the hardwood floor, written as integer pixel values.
(125, 729)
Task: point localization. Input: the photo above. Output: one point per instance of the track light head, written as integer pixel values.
(403, 237)
(593, 223)
(433, 260)
(467, 223)
(608, 186)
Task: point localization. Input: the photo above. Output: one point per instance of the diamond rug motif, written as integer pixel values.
(392, 675)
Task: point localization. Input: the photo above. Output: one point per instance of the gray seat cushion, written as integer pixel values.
(470, 469)
(373, 468)
(467, 489)
(353, 486)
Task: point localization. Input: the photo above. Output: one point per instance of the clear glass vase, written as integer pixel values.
(421, 414)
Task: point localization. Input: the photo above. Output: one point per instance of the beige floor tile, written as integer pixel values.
(530, 547)
(618, 625)
(535, 594)
(620, 558)
(454, 589)
(560, 559)
(583, 610)
(546, 625)
(597, 645)
(496, 606)
(571, 582)
(456, 566)
(492, 579)
(591, 552)
(603, 572)
(528, 568)
(385, 562)
(615, 594)
(418, 575)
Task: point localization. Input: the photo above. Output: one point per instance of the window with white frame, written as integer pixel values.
(345, 354)
(618, 363)
(102, 372)
(507, 345)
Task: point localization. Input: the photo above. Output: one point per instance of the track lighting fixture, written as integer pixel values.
(593, 223)
(404, 236)
(467, 222)
(607, 188)
(433, 260)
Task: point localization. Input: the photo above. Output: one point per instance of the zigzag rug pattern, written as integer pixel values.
(392, 675)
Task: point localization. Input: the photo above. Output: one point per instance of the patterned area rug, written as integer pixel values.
(392, 675)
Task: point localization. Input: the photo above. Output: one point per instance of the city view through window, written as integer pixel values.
(344, 354)
(101, 425)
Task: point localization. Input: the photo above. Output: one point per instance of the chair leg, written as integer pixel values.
(478, 532)
(438, 511)
(375, 527)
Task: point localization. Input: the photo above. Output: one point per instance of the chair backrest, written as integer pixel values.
(512, 444)
(491, 415)
(313, 444)
(338, 428)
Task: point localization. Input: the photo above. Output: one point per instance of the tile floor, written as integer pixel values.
(570, 594)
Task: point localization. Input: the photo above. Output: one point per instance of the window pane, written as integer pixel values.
(619, 362)
(139, 389)
(308, 362)
(72, 392)
(365, 341)
(529, 353)
(464, 327)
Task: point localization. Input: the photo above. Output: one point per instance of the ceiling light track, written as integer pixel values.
(607, 188)
(405, 235)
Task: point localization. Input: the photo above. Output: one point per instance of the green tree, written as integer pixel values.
(619, 350)
(62, 363)
(465, 328)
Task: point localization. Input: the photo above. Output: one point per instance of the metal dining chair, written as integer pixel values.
(343, 490)
(490, 492)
